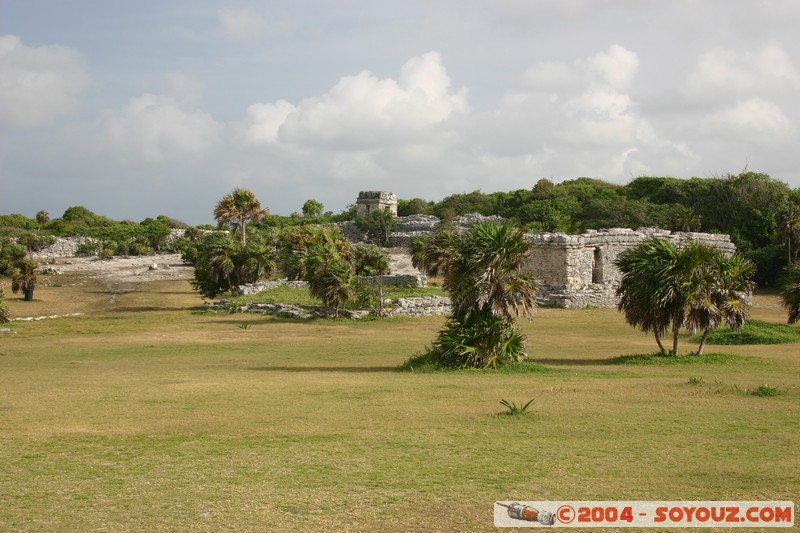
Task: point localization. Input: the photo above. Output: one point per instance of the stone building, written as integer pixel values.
(371, 201)
(578, 270)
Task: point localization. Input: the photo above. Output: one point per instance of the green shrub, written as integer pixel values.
(88, 248)
(765, 391)
(657, 359)
(3, 309)
(755, 332)
(10, 253)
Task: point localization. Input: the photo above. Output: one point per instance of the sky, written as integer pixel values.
(135, 109)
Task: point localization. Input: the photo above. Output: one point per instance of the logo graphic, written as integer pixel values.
(517, 511)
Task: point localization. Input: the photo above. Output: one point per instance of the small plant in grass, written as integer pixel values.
(514, 409)
(244, 325)
(765, 391)
(694, 380)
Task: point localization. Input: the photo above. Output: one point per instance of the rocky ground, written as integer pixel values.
(136, 270)
(127, 269)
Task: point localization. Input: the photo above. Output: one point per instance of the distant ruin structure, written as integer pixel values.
(576, 271)
(370, 201)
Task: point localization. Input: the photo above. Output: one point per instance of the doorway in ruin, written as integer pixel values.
(597, 266)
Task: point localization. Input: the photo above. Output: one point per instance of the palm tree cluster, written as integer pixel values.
(666, 289)
(325, 259)
(322, 256)
(222, 263)
(481, 271)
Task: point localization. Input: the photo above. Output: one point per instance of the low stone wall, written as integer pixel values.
(593, 295)
(390, 280)
(255, 288)
(416, 306)
(420, 306)
(396, 280)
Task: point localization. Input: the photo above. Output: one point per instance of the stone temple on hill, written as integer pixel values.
(370, 201)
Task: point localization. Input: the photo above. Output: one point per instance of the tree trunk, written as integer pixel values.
(675, 332)
(380, 294)
(702, 342)
(660, 345)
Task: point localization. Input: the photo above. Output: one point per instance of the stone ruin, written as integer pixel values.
(576, 271)
(370, 201)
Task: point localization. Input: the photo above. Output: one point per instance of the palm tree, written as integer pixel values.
(235, 210)
(790, 291)
(329, 273)
(23, 278)
(789, 226)
(434, 254)
(697, 288)
(482, 273)
(643, 268)
(488, 277)
(717, 290)
(42, 217)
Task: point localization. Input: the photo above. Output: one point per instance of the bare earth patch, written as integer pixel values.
(126, 274)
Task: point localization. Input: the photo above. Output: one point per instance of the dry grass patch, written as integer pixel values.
(141, 415)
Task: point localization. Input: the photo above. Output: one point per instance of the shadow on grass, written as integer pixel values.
(350, 369)
(146, 309)
(571, 362)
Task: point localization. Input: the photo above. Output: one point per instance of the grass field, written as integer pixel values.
(147, 414)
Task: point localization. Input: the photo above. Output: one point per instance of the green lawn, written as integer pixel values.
(143, 414)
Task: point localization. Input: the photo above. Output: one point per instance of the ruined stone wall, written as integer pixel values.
(63, 247)
(578, 270)
(68, 246)
(371, 201)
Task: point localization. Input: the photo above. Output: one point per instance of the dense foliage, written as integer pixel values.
(762, 215)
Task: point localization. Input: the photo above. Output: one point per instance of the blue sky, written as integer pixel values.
(135, 109)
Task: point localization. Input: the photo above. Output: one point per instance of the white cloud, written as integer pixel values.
(770, 70)
(363, 112)
(245, 24)
(264, 120)
(754, 119)
(37, 84)
(156, 127)
(616, 66)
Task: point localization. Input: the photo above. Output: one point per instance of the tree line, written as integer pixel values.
(761, 214)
